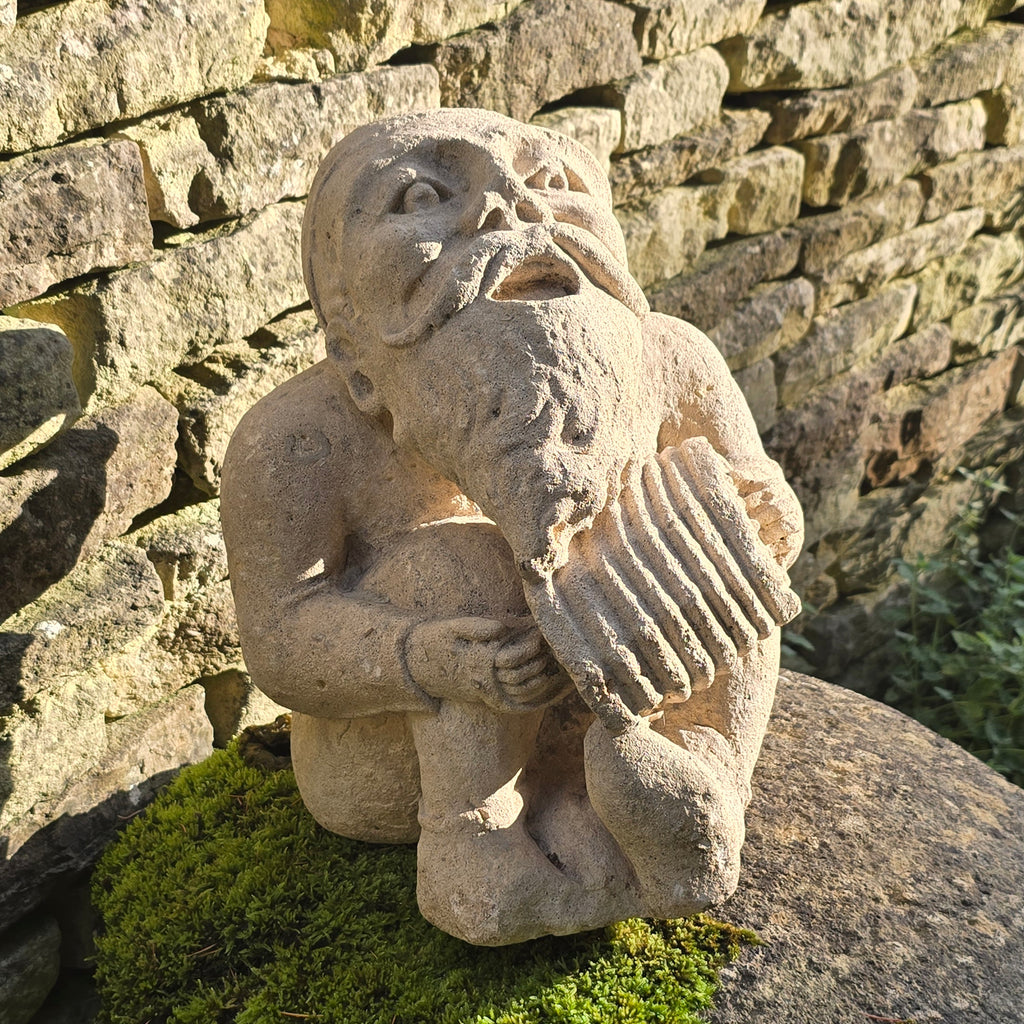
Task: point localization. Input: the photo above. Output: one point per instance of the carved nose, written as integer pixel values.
(507, 212)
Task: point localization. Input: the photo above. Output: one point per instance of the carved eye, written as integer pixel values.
(419, 196)
(549, 178)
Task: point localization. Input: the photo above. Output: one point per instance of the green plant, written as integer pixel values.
(225, 902)
(957, 657)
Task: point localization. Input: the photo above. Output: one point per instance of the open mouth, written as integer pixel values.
(536, 279)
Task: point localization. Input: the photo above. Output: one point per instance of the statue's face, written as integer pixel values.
(481, 295)
(499, 211)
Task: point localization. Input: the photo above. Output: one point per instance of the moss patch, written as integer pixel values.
(225, 902)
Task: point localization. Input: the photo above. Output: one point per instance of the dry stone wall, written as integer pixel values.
(832, 189)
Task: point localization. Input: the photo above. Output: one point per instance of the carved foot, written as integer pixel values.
(677, 817)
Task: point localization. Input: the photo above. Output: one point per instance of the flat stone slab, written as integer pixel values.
(884, 869)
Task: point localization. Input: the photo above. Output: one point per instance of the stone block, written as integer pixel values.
(542, 52)
(802, 115)
(69, 211)
(360, 33)
(29, 965)
(211, 161)
(765, 188)
(845, 165)
(828, 237)
(212, 396)
(59, 506)
(40, 400)
(640, 174)
(862, 272)
(975, 179)
(984, 267)
(89, 617)
(972, 62)
(841, 337)
(136, 324)
(987, 327)
(668, 27)
(927, 423)
(774, 316)
(8, 13)
(198, 636)
(757, 382)
(61, 837)
(234, 702)
(721, 277)
(1005, 111)
(240, 129)
(598, 129)
(673, 97)
(667, 232)
(57, 735)
(825, 44)
(89, 63)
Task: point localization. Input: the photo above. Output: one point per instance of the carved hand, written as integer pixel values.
(771, 502)
(482, 660)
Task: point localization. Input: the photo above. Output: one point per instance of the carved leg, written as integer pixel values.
(673, 793)
(481, 875)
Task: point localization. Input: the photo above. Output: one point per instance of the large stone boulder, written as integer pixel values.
(884, 870)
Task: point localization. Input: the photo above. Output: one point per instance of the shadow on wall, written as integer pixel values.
(61, 493)
(65, 847)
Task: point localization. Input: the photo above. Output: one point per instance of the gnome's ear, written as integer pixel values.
(343, 352)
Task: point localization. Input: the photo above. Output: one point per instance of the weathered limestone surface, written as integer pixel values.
(212, 396)
(234, 702)
(824, 111)
(1005, 111)
(752, 195)
(722, 277)
(53, 726)
(828, 237)
(40, 400)
(775, 316)
(992, 176)
(29, 965)
(842, 166)
(982, 268)
(216, 288)
(134, 757)
(542, 52)
(757, 382)
(763, 189)
(85, 488)
(68, 211)
(971, 63)
(927, 421)
(84, 63)
(673, 97)
(828, 43)
(988, 327)
(863, 837)
(198, 636)
(88, 617)
(211, 162)
(599, 129)
(359, 33)
(862, 272)
(668, 27)
(840, 337)
(640, 174)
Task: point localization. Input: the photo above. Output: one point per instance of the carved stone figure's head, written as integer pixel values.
(471, 279)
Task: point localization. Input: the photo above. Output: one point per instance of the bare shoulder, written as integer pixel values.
(302, 435)
(678, 354)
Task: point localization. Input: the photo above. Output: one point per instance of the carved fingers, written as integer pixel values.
(668, 590)
(506, 665)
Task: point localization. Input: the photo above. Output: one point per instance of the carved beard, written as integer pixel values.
(534, 408)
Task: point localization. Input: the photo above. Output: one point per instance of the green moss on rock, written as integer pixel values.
(225, 902)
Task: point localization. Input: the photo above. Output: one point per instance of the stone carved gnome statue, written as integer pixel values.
(513, 552)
